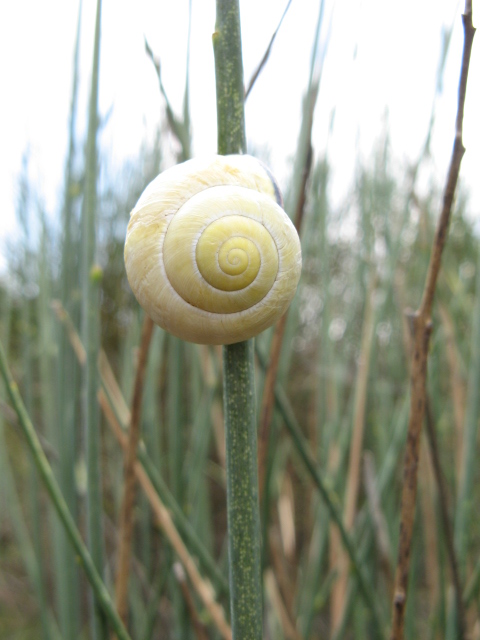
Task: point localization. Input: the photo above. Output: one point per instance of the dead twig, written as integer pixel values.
(266, 55)
(179, 128)
(126, 512)
(422, 328)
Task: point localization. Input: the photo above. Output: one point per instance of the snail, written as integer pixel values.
(210, 254)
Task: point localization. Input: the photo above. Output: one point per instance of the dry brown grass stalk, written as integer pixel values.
(422, 328)
(128, 499)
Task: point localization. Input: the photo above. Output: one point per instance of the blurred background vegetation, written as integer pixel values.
(342, 388)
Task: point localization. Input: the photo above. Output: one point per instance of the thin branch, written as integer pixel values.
(178, 128)
(453, 172)
(422, 328)
(266, 55)
(126, 513)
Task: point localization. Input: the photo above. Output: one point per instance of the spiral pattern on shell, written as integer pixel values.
(210, 254)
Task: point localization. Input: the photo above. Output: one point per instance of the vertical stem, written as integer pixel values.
(239, 384)
(176, 456)
(91, 330)
(422, 328)
(227, 47)
(242, 491)
(128, 500)
(67, 591)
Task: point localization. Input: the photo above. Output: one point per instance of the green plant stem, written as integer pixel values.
(44, 469)
(175, 406)
(243, 514)
(91, 336)
(227, 48)
(67, 587)
(242, 492)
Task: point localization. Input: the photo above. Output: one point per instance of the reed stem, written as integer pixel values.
(91, 336)
(243, 514)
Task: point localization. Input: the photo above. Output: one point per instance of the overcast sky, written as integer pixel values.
(381, 54)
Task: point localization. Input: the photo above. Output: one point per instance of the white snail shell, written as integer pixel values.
(210, 254)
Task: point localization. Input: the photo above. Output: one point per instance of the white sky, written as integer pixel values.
(397, 47)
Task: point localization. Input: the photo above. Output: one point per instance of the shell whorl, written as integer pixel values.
(210, 254)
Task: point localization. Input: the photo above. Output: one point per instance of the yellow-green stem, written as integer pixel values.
(238, 368)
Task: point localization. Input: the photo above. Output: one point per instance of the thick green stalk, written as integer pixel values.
(242, 492)
(227, 47)
(91, 330)
(45, 471)
(238, 365)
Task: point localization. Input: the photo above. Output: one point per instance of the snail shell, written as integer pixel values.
(210, 254)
